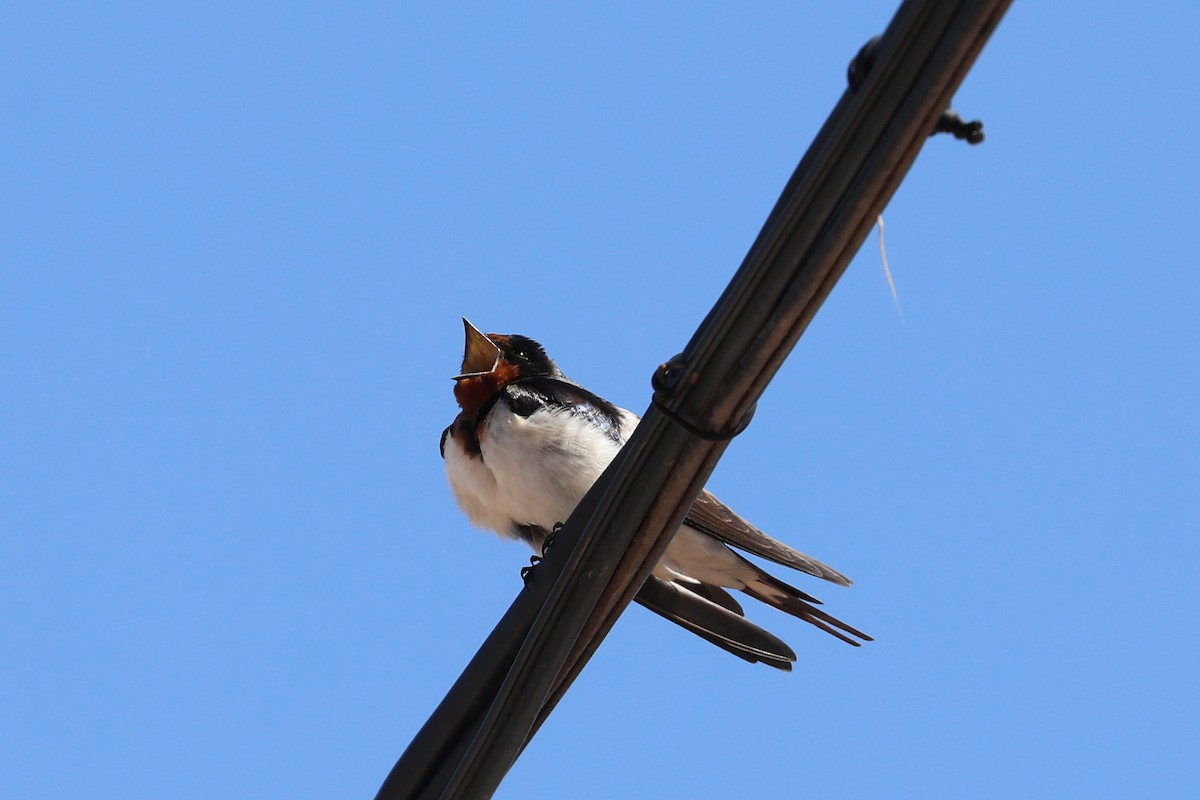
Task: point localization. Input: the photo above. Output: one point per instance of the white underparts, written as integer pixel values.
(535, 469)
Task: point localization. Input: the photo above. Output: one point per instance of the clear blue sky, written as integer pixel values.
(236, 243)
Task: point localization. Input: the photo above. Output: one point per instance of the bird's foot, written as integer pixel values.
(548, 542)
(527, 572)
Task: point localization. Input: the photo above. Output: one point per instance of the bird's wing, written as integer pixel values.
(715, 623)
(528, 395)
(709, 515)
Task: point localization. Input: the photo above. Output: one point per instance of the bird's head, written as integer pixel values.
(491, 361)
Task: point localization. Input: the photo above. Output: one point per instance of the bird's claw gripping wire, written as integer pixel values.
(547, 543)
(527, 572)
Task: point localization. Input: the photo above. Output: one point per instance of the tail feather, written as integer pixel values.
(716, 594)
(785, 597)
(715, 623)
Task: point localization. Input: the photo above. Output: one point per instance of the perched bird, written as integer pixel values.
(528, 444)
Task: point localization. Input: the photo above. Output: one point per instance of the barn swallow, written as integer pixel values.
(529, 442)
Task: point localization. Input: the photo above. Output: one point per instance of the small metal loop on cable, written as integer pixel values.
(949, 122)
(664, 379)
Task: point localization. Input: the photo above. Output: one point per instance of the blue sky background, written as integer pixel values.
(236, 243)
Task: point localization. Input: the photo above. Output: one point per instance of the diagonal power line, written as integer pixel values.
(625, 522)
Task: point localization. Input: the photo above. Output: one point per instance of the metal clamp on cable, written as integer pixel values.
(663, 381)
(949, 122)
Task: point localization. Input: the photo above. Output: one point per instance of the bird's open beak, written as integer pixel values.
(480, 353)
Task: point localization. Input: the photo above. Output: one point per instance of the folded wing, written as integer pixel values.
(711, 516)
